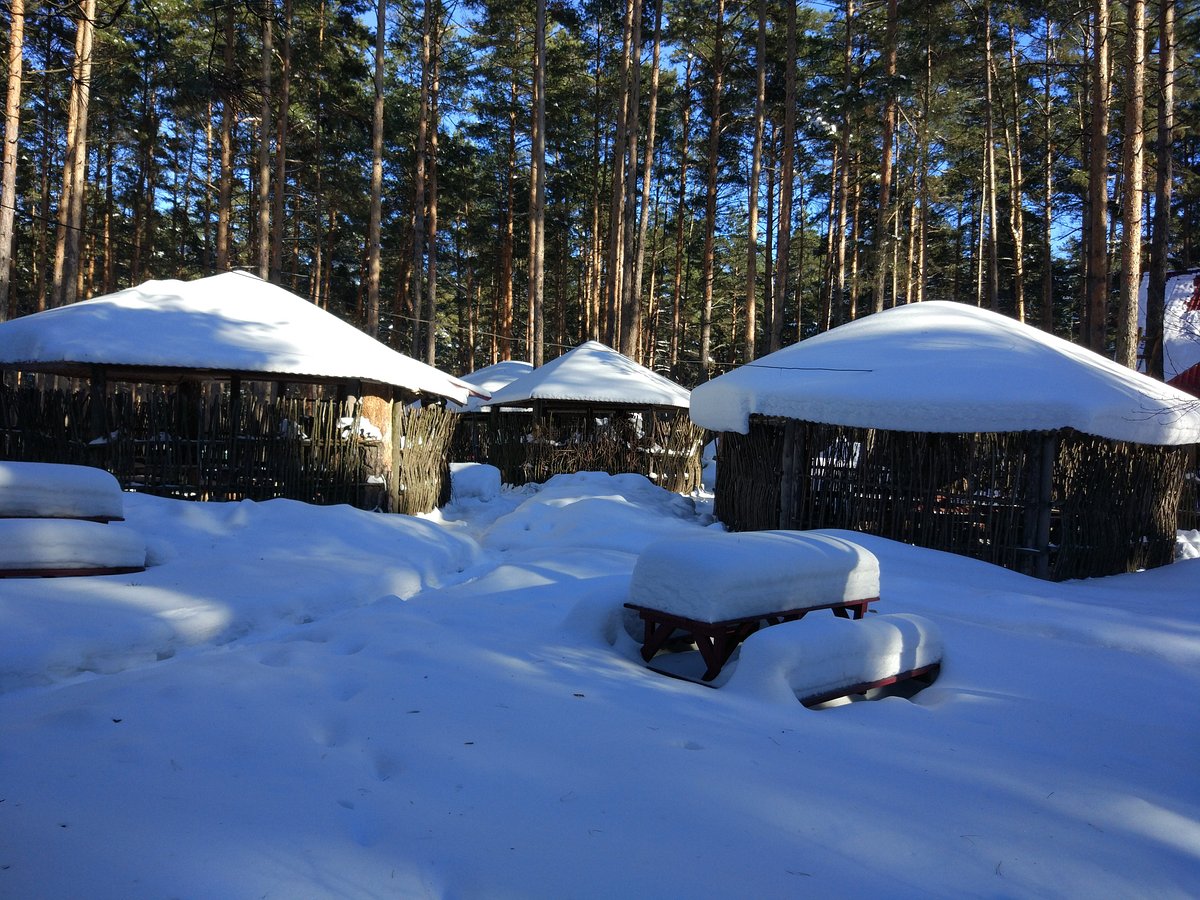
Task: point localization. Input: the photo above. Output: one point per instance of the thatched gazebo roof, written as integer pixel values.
(942, 367)
(228, 325)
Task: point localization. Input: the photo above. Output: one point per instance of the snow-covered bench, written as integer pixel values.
(56, 547)
(718, 589)
(54, 491)
(829, 658)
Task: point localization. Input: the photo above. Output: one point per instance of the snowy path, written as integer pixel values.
(367, 706)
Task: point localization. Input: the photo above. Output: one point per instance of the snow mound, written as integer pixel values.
(593, 510)
(714, 576)
(477, 480)
(818, 655)
(53, 490)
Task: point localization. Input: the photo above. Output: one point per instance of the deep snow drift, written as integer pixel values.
(319, 702)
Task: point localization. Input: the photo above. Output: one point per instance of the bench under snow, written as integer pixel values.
(55, 491)
(719, 588)
(56, 547)
(831, 658)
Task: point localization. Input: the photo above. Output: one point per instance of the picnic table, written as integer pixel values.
(716, 589)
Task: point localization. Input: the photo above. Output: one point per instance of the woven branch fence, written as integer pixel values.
(665, 447)
(181, 443)
(420, 457)
(1053, 504)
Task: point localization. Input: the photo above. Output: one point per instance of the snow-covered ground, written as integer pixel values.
(309, 702)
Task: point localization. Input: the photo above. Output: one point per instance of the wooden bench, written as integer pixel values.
(717, 589)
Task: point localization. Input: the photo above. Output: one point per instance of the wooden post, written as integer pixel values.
(1045, 500)
(787, 475)
(99, 411)
(235, 422)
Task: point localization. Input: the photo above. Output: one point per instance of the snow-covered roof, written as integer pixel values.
(948, 367)
(594, 373)
(491, 379)
(228, 323)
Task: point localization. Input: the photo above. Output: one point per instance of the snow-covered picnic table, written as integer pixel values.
(55, 520)
(719, 588)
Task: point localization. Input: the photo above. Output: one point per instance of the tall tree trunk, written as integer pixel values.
(431, 219)
(629, 309)
(374, 226)
(708, 263)
(228, 114)
(66, 268)
(680, 215)
(12, 122)
(634, 309)
(989, 164)
(838, 282)
(786, 175)
(264, 145)
(1097, 248)
(885, 168)
(417, 269)
(1131, 199)
(1155, 298)
(1016, 180)
(281, 142)
(616, 223)
(760, 103)
(505, 312)
(537, 192)
(1047, 310)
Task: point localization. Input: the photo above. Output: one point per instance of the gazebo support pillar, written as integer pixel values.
(98, 389)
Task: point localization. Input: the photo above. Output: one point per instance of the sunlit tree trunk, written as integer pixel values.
(710, 195)
(680, 215)
(1047, 310)
(12, 122)
(783, 245)
(1096, 336)
(760, 102)
(374, 229)
(431, 219)
(67, 246)
(225, 179)
(1162, 190)
(885, 168)
(281, 143)
(1131, 198)
(264, 145)
(537, 206)
(633, 322)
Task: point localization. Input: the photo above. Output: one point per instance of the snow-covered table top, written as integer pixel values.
(715, 576)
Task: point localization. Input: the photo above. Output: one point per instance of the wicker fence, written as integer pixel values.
(183, 443)
(665, 447)
(1053, 504)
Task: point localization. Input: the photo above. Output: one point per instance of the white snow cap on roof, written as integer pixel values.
(232, 322)
(594, 373)
(491, 379)
(947, 367)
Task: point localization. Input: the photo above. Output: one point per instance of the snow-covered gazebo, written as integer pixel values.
(596, 409)
(184, 437)
(948, 426)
